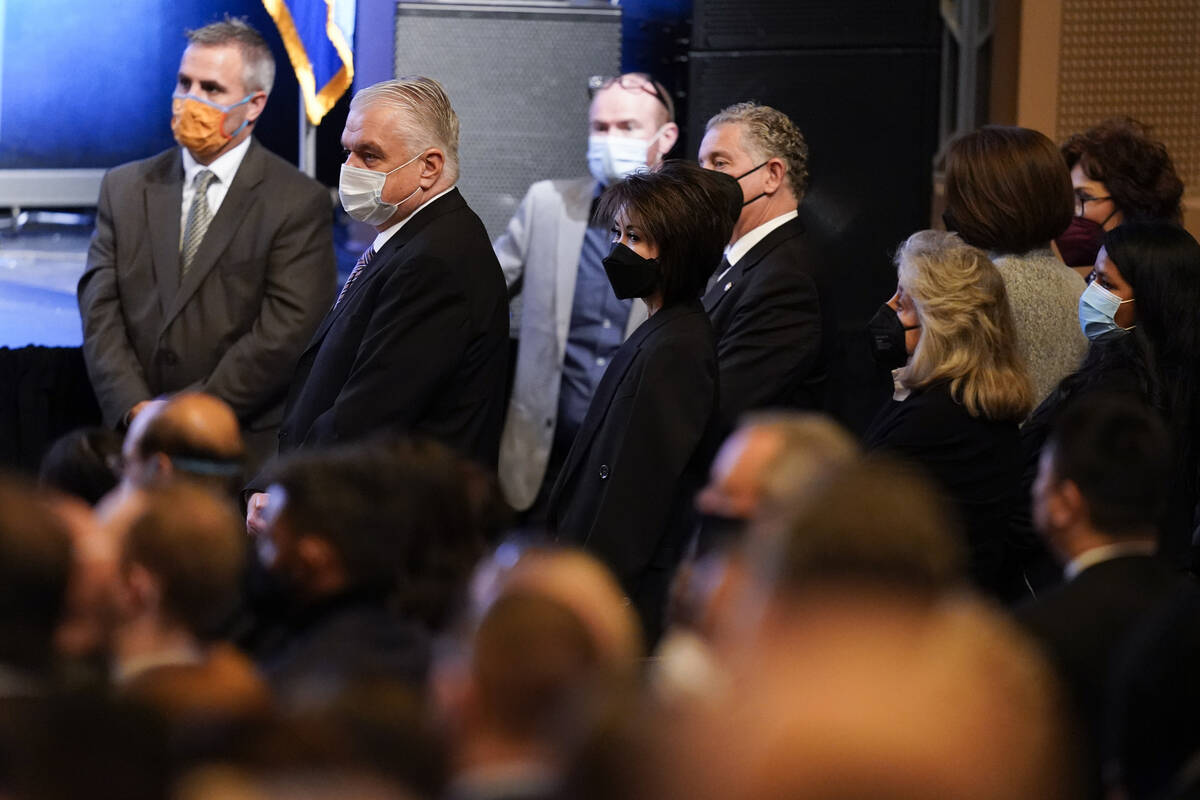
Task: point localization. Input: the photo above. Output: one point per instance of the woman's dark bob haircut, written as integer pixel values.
(1007, 189)
(686, 211)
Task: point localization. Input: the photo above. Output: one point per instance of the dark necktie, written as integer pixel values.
(199, 218)
(363, 260)
(717, 273)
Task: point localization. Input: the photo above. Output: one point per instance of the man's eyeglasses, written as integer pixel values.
(633, 81)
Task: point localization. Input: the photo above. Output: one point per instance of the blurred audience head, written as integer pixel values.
(674, 221)
(631, 125)
(85, 463)
(1103, 475)
(1007, 190)
(390, 517)
(876, 696)
(35, 565)
(956, 297)
(769, 458)
(191, 437)
(764, 150)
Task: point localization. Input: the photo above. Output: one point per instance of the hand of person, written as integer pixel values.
(133, 412)
(256, 506)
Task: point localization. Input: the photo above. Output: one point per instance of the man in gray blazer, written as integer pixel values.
(212, 263)
(570, 323)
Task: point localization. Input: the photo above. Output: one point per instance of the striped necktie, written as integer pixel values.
(199, 218)
(363, 260)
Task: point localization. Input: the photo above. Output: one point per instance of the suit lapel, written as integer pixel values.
(164, 199)
(452, 201)
(225, 224)
(789, 229)
(577, 208)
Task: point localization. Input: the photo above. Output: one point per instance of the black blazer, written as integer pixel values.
(1083, 627)
(977, 464)
(626, 488)
(236, 323)
(774, 319)
(418, 344)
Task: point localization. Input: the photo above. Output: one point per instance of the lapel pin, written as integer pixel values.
(729, 286)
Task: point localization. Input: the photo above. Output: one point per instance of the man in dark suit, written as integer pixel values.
(417, 339)
(769, 301)
(211, 263)
(1101, 486)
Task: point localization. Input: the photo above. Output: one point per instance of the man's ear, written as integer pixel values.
(143, 591)
(255, 106)
(776, 170)
(433, 163)
(1066, 505)
(667, 139)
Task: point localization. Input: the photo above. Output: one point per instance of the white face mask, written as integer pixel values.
(1097, 313)
(611, 158)
(361, 192)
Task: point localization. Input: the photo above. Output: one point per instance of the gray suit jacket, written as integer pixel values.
(539, 253)
(261, 282)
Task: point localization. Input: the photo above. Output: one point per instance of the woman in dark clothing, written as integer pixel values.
(1142, 313)
(962, 394)
(625, 490)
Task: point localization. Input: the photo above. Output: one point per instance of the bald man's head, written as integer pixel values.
(193, 435)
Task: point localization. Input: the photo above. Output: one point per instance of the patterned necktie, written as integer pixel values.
(365, 259)
(199, 218)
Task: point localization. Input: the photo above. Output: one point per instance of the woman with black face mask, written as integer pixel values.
(625, 491)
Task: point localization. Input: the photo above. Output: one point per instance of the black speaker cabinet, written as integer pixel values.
(796, 24)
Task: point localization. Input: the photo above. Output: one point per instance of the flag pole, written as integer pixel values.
(307, 153)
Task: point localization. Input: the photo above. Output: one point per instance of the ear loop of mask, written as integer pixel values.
(747, 172)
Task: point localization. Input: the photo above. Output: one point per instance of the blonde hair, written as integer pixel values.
(423, 101)
(968, 336)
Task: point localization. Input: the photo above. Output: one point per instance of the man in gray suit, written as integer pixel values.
(212, 263)
(570, 323)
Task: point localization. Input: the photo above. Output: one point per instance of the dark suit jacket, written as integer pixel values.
(262, 279)
(1083, 627)
(977, 464)
(626, 488)
(418, 344)
(774, 320)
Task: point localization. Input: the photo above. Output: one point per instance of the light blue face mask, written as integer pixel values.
(1097, 311)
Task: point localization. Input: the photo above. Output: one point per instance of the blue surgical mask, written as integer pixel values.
(1097, 311)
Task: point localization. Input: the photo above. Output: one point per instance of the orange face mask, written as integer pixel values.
(199, 125)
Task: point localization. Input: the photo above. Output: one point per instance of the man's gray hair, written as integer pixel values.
(430, 120)
(258, 64)
(769, 133)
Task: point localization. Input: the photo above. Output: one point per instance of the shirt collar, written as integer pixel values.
(388, 233)
(735, 251)
(224, 167)
(1107, 552)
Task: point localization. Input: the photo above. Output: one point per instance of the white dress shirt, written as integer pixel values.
(224, 168)
(1097, 555)
(735, 251)
(388, 233)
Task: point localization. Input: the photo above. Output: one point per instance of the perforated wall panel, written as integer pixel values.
(1134, 57)
(517, 77)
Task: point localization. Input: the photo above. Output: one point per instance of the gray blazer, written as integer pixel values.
(261, 282)
(539, 253)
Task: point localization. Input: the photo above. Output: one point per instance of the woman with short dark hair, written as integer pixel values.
(1119, 173)
(625, 491)
(1009, 193)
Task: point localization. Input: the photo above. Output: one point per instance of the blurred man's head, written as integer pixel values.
(876, 696)
(181, 557)
(35, 564)
(84, 463)
(1103, 475)
(631, 125)
(191, 436)
(391, 518)
(766, 152)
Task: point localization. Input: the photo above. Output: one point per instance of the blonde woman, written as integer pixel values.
(961, 395)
